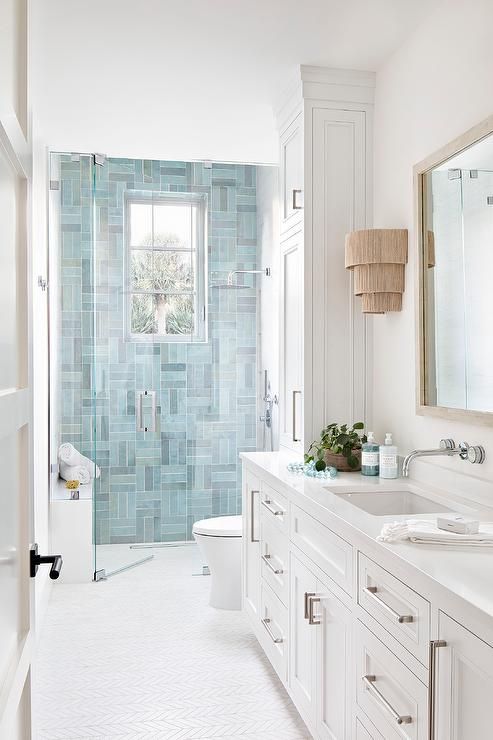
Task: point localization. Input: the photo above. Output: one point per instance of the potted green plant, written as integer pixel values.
(339, 446)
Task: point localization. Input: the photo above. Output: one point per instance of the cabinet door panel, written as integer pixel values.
(291, 344)
(303, 636)
(251, 544)
(334, 665)
(292, 175)
(464, 684)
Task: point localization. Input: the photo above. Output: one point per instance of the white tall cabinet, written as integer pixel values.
(325, 122)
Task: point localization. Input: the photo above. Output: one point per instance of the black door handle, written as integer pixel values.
(36, 560)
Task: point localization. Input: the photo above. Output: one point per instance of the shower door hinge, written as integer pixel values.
(54, 184)
(454, 174)
(100, 159)
(42, 282)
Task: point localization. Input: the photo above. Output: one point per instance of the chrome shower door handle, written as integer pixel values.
(295, 438)
(153, 426)
(138, 412)
(141, 426)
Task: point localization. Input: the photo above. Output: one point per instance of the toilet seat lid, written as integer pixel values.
(220, 526)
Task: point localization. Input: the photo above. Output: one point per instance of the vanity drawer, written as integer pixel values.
(274, 630)
(274, 507)
(274, 552)
(391, 696)
(399, 609)
(327, 550)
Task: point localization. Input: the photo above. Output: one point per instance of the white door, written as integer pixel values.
(15, 401)
(291, 344)
(333, 664)
(464, 684)
(15, 453)
(303, 638)
(251, 544)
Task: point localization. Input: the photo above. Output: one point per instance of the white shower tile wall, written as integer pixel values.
(153, 486)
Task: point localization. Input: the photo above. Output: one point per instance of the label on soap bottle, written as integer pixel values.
(369, 458)
(388, 460)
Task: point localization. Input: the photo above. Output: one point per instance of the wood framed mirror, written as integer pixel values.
(454, 228)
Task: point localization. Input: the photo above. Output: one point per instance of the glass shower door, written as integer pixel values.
(124, 398)
(149, 311)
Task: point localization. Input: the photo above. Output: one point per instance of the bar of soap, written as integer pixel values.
(458, 524)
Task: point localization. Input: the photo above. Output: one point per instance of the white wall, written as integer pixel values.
(435, 87)
(269, 256)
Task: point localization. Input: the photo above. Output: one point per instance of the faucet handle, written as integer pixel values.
(447, 444)
(474, 453)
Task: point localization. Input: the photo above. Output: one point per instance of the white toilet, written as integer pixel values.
(219, 541)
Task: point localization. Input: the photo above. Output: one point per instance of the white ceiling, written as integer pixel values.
(193, 78)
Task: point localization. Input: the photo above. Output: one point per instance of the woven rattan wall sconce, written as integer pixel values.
(377, 258)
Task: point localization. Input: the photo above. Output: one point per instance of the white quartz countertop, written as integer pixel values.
(465, 572)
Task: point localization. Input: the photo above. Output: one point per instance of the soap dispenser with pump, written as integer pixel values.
(389, 466)
(370, 456)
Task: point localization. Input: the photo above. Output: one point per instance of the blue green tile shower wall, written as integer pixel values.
(153, 486)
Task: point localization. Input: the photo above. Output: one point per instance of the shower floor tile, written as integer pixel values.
(143, 656)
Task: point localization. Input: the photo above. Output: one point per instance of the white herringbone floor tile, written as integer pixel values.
(142, 656)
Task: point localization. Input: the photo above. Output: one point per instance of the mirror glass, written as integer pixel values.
(457, 280)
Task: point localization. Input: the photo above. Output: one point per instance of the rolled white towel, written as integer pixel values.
(425, 532)
(74, 472)
(70, 456)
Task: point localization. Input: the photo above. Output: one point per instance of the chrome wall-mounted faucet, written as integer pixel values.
(474, 453)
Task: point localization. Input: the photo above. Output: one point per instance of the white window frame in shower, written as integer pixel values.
(197, 201)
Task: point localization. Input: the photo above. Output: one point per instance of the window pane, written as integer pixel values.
(162, 315)
(140, 224)
(142, 320)
(174, 314)
(161, 271)
(173, 225)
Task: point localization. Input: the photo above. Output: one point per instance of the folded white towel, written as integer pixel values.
(74, 472)
(70, 456)
(427, 533)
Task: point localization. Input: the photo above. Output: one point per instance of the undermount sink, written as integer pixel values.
(387, 503)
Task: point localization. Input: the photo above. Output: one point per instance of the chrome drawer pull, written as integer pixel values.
(372, 592)
(296, 207)
(252, 517)
(277, 512)
(294, 437)
(307, 608)
(434, 645)
(313, 599)
(267, 559)
(275, 639)
(369, 682)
